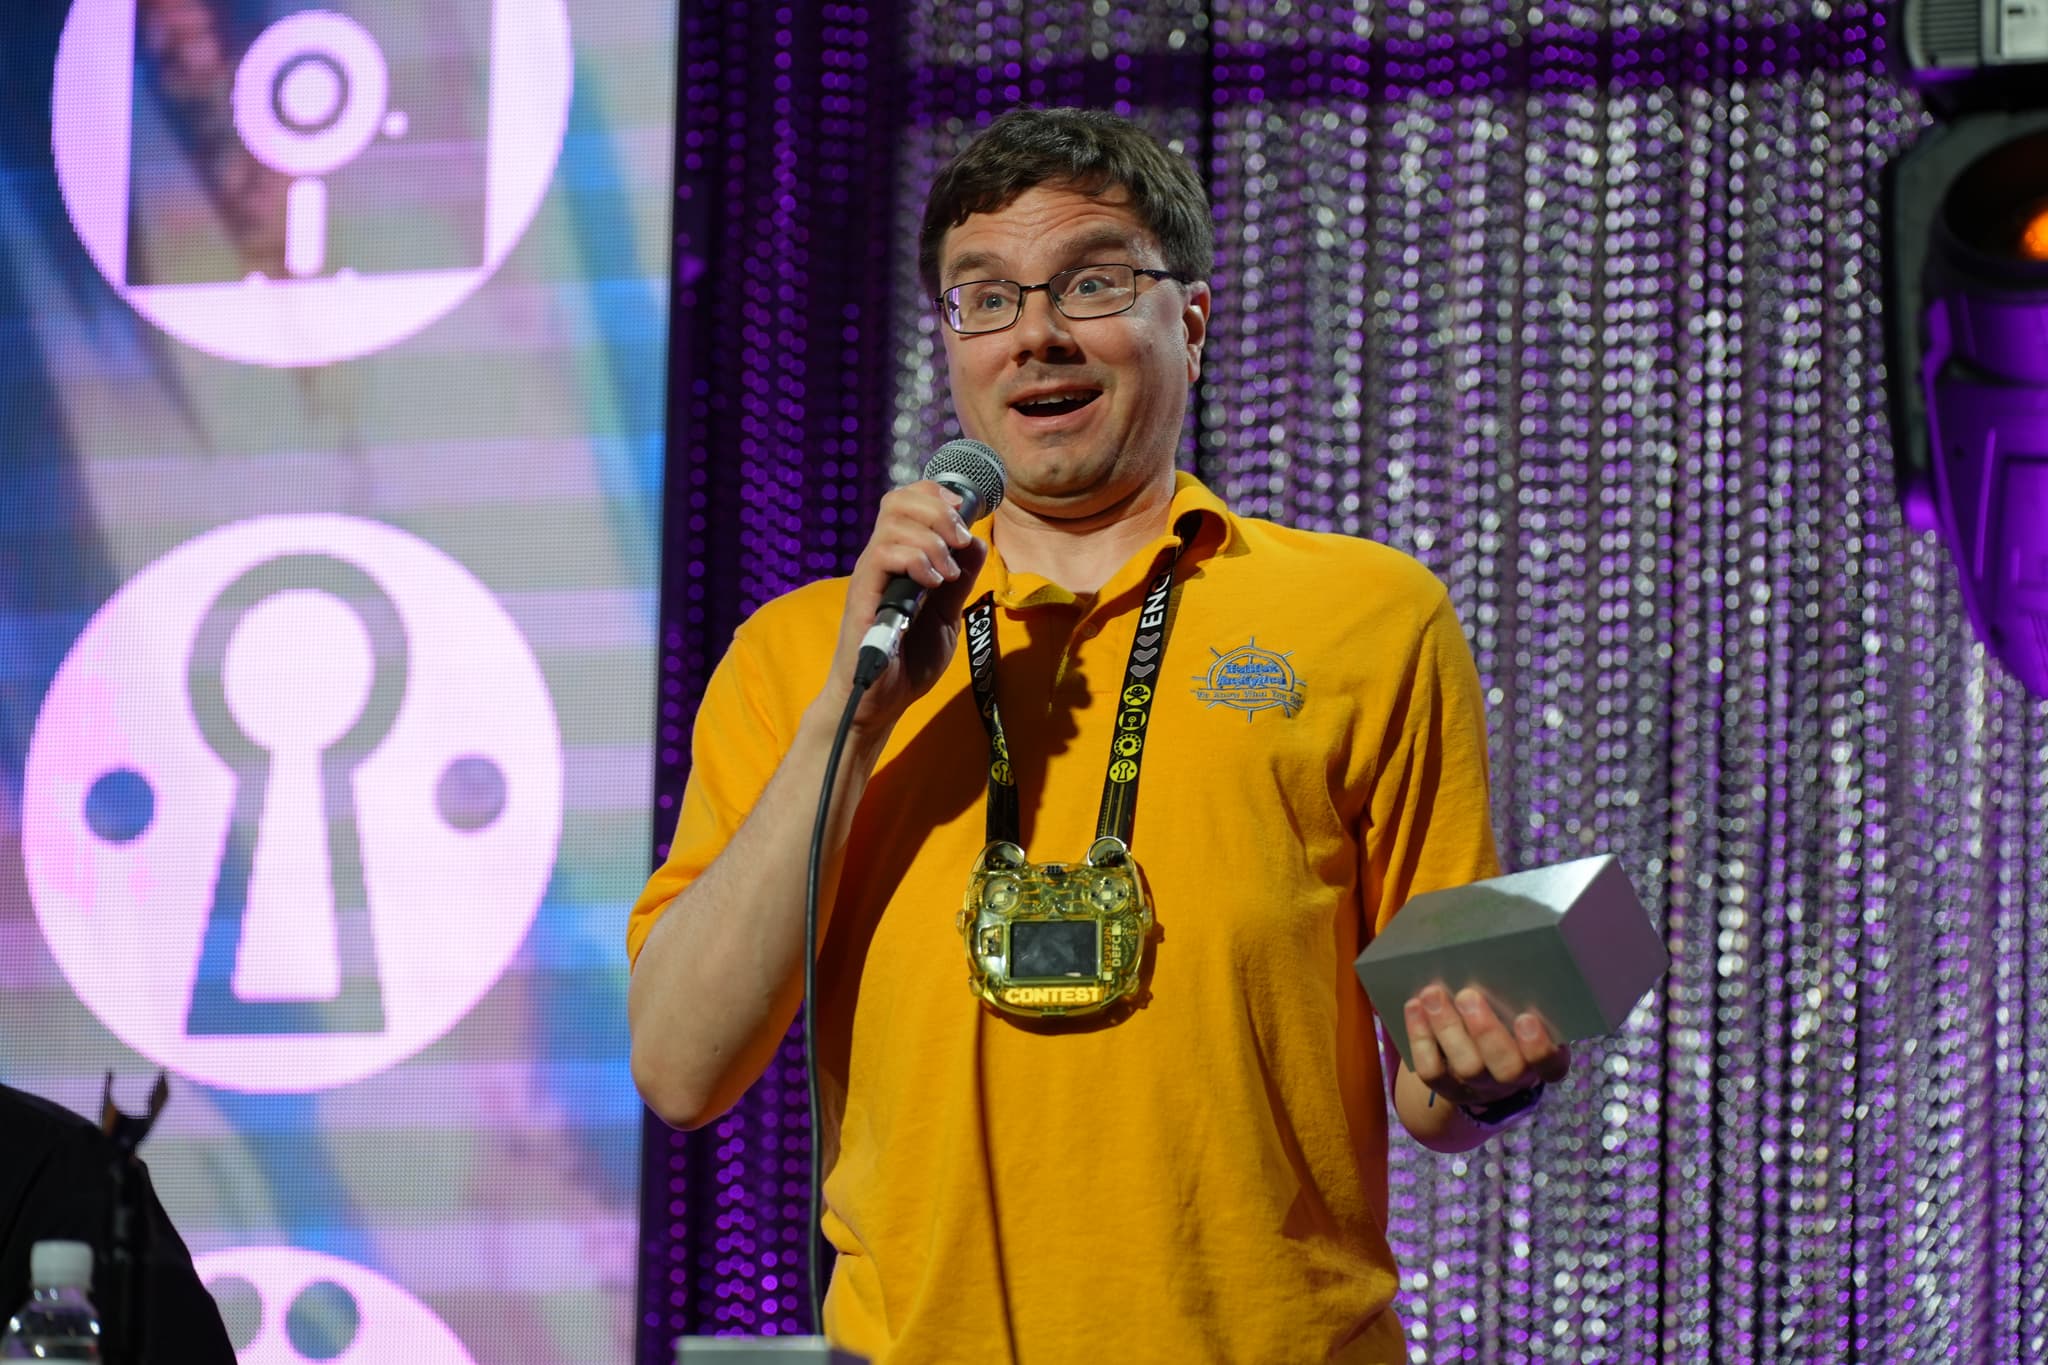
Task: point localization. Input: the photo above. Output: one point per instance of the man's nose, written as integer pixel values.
(1042, 327)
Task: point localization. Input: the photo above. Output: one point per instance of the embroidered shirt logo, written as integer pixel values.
(1251, 679)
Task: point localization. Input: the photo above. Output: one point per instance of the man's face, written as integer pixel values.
(1086, 412)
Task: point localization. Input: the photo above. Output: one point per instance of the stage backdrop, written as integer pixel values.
(1581, 305)
(332, 373)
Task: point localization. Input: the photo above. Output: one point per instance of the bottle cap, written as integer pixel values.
(61, 1265)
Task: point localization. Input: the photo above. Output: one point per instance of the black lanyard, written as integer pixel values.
(1134, 706)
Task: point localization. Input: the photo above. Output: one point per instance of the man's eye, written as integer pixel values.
(988, 300)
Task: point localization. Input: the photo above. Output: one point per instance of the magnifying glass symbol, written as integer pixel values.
(310, 95)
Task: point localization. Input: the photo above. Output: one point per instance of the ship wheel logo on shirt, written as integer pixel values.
(1250, 680)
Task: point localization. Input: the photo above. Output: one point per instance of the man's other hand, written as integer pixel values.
(1464, 1052)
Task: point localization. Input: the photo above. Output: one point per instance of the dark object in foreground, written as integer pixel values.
(55, 1184)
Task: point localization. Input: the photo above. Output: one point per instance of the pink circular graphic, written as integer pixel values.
(292, 803)
(285, 1306)
(317, 97)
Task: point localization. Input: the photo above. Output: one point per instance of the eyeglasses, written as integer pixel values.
(1086, 291)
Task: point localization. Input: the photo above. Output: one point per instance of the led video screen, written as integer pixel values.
(331, 408)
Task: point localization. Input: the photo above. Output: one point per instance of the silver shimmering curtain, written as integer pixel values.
(1581, 305)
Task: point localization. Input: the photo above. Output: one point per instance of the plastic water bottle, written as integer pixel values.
(58, 1322)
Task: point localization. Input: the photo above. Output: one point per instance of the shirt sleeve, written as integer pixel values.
(1431, 809)
(734, 749)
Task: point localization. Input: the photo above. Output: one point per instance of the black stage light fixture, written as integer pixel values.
(1966, 287)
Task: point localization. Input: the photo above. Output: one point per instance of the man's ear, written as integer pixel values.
(1195, 317)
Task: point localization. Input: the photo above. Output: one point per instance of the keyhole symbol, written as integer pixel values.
(296, 676)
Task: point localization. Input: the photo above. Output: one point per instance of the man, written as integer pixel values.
(1200, 1172)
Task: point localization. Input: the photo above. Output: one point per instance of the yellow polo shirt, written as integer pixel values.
(1204, 1180)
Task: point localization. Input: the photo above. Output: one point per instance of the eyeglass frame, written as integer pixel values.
(1025, 291)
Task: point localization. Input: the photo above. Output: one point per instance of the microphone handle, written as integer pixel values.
(900, 601)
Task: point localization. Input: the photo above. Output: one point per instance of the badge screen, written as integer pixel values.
(1043, 949)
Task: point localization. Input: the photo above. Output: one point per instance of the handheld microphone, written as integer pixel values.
(972, 472)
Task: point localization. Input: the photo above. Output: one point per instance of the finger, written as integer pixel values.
(933, 543)
(1428, 1063)
(1496, 1047)
(916, 554)
(906, 561)
(946, 603)
(930, 506)
(1459, 1055)
(1532, 1036)
(1547, 1057)
(952, 526)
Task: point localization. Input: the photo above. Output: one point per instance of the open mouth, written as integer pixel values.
(1056, 404)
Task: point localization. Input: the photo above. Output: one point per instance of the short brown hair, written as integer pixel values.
(1088, 150)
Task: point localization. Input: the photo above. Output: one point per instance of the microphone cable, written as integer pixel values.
(813, 873)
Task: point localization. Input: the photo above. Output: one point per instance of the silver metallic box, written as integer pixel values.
(1570, 941)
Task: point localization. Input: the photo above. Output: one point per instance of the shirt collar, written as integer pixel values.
(1215, 533)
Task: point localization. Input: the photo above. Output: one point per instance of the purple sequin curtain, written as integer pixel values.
(1581, 305)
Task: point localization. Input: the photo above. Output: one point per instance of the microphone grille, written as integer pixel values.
(972, 463)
